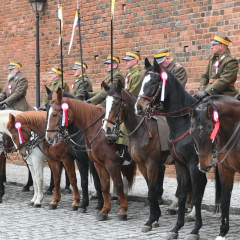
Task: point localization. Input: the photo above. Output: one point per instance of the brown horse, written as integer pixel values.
(89, 118)
(215, 128)
(33, 124)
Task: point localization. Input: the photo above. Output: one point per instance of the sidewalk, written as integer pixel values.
(17, 174)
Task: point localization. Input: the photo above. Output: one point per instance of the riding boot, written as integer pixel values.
(123, 153)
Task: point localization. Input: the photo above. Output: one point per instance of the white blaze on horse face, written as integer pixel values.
(109, 103)
(49, 114)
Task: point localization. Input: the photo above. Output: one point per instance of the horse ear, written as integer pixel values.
(49, 91)
(210, 111)
(156, 65)
(105, 86)
(59, 96)
(119, 86)
(191, 111)
(59, 89)
(11, 122)
(147, 63)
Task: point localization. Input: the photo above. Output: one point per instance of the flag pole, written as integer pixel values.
(80, 40)
(112, 16)
(61, 46)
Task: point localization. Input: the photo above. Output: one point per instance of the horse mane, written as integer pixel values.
(4, 116)
(33, 118)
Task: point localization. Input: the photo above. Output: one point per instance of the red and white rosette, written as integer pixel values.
(73, 85)
(9, 88)
(217, 66)
(126, 82)
(164, 77)
(18, 126)
(217, 125)
(65, 108)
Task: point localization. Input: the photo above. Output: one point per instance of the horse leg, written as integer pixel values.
(160, 183)
(2, 174)
(67, 189)
(57, 171)
(68, 162)
(83, 170)
(26, 188)
(97, 184)
(105, 185)
(226, 176)
(51, 186)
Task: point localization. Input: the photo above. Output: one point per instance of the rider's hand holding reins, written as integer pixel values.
(201, 95)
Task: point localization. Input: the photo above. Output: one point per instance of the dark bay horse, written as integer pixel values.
(89, 119)
(215, 129)
(32, 134)
(181, 146)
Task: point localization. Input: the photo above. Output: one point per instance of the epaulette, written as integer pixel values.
(178, 64)
(231, 56)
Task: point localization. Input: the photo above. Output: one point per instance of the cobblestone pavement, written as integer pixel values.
(20, 221)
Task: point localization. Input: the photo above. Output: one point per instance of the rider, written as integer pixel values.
(221, 72)
(96, 98)
(56, 82)
(133, 83)
(14, 94)
(80, 91)
(165, 61)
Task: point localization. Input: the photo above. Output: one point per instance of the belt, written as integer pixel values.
(214, 80)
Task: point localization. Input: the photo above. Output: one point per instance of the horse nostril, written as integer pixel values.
(139, 108)
(108, 130)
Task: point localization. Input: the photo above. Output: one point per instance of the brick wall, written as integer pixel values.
(186, 27)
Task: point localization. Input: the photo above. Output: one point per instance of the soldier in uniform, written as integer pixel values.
(14, 94)
(56, 82)
(133, 83)
(165, 61)
(96, 98)
(80, 91)
(221, 72)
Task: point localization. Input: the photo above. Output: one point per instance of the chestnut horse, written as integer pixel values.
(88, 118)
(175, 101)
(32, 144)
(215, 128)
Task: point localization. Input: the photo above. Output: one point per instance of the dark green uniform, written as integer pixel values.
(78, 86)
(100, 97)
(223, 81)
(54, 87)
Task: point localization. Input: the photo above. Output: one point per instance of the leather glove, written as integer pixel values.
(201, 95)
(85, 94)
(42, 108)
(2, 103)
(88, 101)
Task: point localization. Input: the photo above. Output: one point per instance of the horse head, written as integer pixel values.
(59, 117)
(202, 125)
(115, 109)
(151, 86)
(21, 135)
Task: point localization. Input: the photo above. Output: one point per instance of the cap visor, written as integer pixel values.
(107, 61)
(128, 58)
(12, 67)
(51, 72)
(160, 60)
(75, 67)
(216, 42)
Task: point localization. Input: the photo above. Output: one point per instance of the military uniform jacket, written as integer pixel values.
(133, 80)
(54, 86)
(179, 71)
(100, 97)
(78, 86)
(16, 98)
(225, 77)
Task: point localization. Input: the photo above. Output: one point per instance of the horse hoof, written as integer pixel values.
(74, 208)
(146, 228)
(52, 206)
(171, 212)
(0, 200)
(122, 217)
(66, 191)
(25, 189)
(48, 192)
(101, 217)
(155, 225)
(31, 203)
(190, 219)
(220, 238)
(93, 197)
(81, 210)
(172, 235)
(160, 201)
(36, 205)
(193, 237)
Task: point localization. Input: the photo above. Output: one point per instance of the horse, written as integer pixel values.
(88, 118)
(28, 139)
(157, 86)
(215, 127)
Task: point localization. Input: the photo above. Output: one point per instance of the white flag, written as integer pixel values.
(60, 17)
(73, 30)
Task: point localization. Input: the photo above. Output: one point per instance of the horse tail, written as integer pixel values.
(217, 191)
(129, 171)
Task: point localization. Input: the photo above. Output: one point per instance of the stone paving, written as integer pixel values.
(20, 221)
